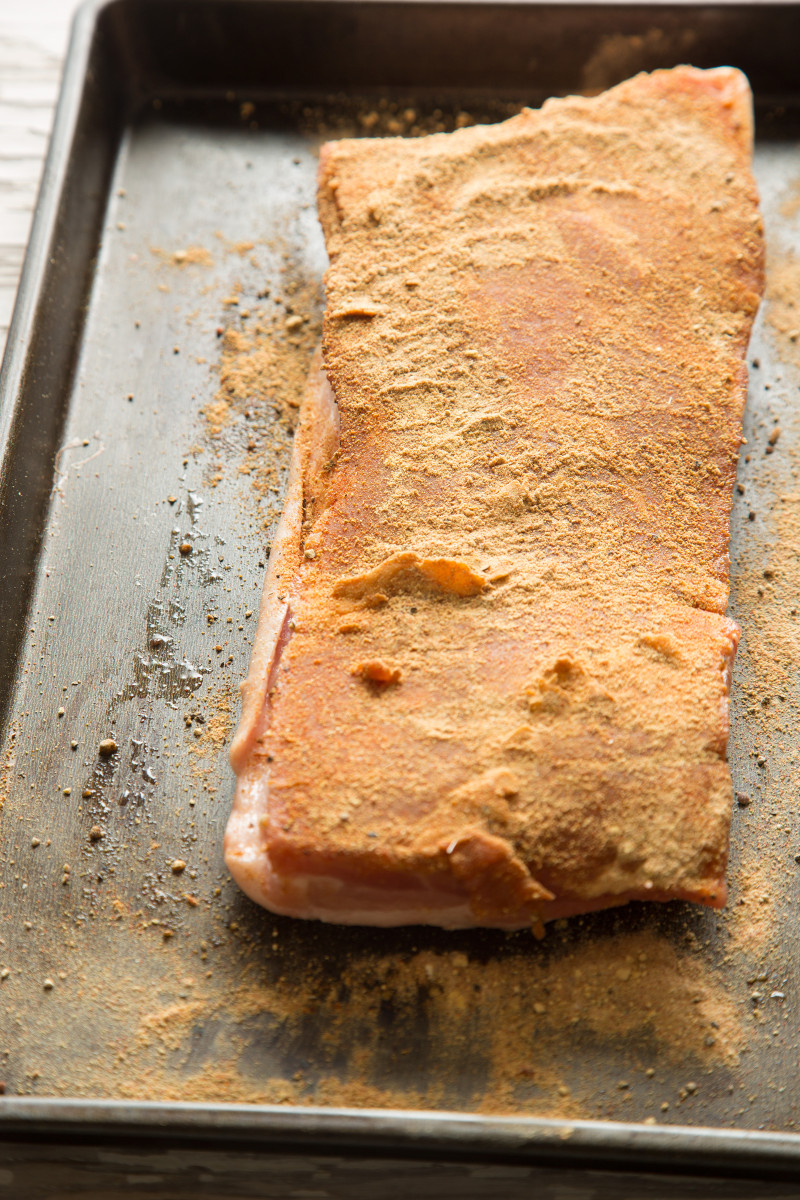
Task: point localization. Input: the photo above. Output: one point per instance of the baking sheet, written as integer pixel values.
(126, 974)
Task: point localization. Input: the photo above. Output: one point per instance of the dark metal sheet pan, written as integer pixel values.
(181, 179)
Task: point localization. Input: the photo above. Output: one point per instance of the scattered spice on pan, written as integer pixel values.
(8, 762)
(188, 256)
(468, 1016)
(389, 118)
(783, 307)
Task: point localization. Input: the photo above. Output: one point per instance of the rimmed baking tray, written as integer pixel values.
(169, 305)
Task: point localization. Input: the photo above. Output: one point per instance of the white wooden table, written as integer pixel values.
(33, 41)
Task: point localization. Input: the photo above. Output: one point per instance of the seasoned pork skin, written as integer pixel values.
(490, 682)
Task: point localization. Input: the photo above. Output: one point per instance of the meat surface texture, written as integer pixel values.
(490, 684)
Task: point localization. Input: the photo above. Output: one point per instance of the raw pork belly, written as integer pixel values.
(490, 684)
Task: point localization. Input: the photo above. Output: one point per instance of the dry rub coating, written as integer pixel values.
(491, 677)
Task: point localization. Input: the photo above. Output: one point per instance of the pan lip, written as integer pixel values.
(676, 1150)
(628, 1147)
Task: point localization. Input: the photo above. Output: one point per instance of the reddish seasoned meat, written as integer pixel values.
(491, 676)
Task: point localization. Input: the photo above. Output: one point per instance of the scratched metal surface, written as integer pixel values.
(118, 637)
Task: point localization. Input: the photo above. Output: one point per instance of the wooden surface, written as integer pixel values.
(33, 40)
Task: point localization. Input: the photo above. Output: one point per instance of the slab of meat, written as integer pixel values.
(491, 675)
